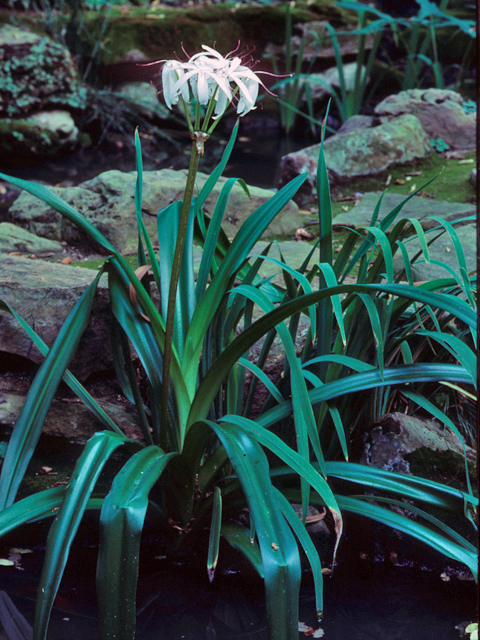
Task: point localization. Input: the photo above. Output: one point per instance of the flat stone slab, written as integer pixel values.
(67, 417)
(14, 238)
(417, 207)
(107, 201)
(43, 294)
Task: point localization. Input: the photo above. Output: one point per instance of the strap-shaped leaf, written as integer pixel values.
(399, 375)
(29, 425)
(239, 538)
(210, 384)
(249, 233)
(62, 207)
(311, 552)
(121, 523)
(406, 486)
(281, 561)
(302, 467)
(213, 232)
(82, 482)
(426, 535)
(214, 538)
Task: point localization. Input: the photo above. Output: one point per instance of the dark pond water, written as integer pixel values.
(256, 157)
(363, 600)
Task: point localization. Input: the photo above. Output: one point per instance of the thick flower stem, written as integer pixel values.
(172, 294)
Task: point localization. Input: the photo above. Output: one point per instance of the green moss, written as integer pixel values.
(447, 467)
(452, 184)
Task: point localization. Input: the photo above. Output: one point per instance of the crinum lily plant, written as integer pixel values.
(202, 458)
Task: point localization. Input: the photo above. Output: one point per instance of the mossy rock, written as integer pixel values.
(36, 73)
(447, 467)
(160, 31)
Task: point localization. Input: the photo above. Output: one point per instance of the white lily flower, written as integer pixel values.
(173, 71)
(209, 75)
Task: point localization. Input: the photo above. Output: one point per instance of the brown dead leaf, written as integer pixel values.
(46, 470)
(275, 547)
(400, 181)
(15, 253)
(67, 260)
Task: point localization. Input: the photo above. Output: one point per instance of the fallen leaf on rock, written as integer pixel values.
(20, 550)
(304, 212)
(15, 253)
(388, 180)
(3, 189)
(469, 161)
(303, 234)
(67, 260)
(344, 208)
(400, 181)
(46, 470)
(414, 173)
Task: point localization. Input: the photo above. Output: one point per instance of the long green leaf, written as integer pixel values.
(415, 529)
(87, 470)
(214, 538)
(239, 538)
(249, 233)
(213, 379)
(281, 561)
(121, 523)
(310, 550)
(28, 427)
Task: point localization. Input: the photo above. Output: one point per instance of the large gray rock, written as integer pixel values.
(388, 444)
(68, 417)
(36, 73)
(417, 207)
(13, 238)
(362, 152)
(439, 111)
(43, 294)
(107, 202)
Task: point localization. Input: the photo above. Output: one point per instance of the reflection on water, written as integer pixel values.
(14, 625)
(174, 604)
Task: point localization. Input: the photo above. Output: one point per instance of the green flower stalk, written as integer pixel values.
(215, 82)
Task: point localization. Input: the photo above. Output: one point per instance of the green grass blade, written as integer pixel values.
(415, 529)
(280, 558)
(121, 523)
(263, 378)
(365, 381)
(87, 470)
(214, 538)
(295, 461)
(310, 550)
(239, 538)
(29, 425)
(35, 507)
(213, 233)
